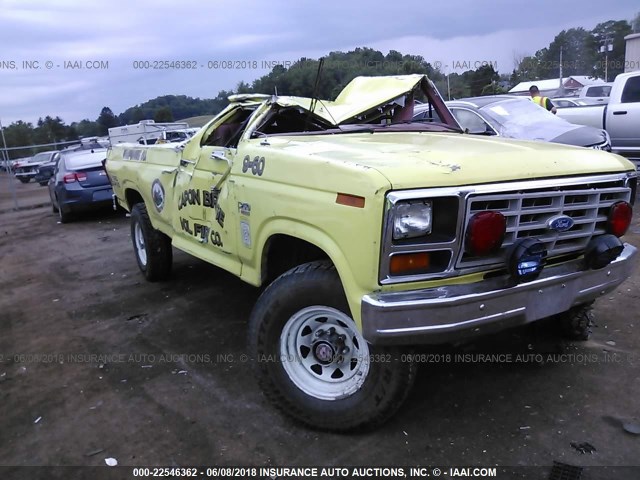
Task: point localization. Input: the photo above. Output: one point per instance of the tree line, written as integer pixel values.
(581, 53)
(580, 56)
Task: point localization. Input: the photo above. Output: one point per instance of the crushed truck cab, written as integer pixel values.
(371, 233)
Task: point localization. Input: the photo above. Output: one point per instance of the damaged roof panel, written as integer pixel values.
(360, 95)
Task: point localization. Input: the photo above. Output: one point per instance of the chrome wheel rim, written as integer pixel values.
(323, 353)
(140, 247)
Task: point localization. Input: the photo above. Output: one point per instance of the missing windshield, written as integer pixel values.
(291, 120)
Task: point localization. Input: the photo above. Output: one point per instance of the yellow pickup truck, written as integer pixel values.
(372, 234)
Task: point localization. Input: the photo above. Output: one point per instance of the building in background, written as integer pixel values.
(551, 88)
(632, 53)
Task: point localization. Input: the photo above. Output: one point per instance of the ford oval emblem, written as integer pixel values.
(560, 223)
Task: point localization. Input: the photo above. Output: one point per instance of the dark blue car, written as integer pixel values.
(46, 170)
(80, 183)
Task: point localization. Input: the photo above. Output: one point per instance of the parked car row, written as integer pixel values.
(75, 177)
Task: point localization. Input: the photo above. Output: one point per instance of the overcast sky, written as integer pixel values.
(118, 33)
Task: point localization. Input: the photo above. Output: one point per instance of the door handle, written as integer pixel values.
(620, 112)
(218, 156)
(184, 162)
(169, 172)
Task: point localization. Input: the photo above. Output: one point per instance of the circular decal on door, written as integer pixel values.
(157, 193)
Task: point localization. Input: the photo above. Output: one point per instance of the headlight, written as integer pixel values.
(412, 219)
(606, 145)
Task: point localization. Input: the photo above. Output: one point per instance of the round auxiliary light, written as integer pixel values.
(527, 259)
(485, 233)
(602, 250)
(619, 218)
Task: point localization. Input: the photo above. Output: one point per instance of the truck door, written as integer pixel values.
(187, 204)
(623, 118)
(205, 219)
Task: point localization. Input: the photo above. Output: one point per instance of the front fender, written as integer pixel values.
(345, 263)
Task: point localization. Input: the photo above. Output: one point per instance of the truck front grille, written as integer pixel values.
(528, 213)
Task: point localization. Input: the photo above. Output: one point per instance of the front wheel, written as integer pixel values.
(152, 247)
(24, 179)
(312, 361)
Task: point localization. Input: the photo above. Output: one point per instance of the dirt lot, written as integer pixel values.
(97, 363)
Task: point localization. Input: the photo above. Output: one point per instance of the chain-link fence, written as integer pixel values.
(21, 191)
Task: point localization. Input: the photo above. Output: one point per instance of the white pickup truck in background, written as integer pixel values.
(620, 117)
(599, 92)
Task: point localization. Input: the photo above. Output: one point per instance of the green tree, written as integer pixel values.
(483, 81)
(339, 68)
(137, 114)
(163, 115)
(53, 130)
(529, 68)
(455, 87)
(86, 128)
(19, 134)
(243, 87)
(181, 107)
(612, 33)
(106, 120)
(577, 56)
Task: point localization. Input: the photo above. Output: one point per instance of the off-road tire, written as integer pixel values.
(388, 380)
(577, 322)
(157, 246)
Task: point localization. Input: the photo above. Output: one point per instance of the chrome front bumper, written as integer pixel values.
(451, 313)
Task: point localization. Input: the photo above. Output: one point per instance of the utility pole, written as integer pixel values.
(560, 86)
(606, 47)
(5, 159)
